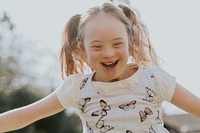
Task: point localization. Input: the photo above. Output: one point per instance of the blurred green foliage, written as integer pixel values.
(59, 123)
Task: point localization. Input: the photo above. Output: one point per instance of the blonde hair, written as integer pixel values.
(141, 51)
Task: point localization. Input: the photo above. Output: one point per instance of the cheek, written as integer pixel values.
(95, 55)
(124, 53)
(92, 56)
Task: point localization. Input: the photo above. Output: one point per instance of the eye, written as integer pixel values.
(96, 47)
(117, 45)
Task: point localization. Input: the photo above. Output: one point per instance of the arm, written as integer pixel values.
(186, 100)
(21, 117)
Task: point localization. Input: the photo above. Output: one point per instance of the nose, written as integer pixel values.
(108, 52)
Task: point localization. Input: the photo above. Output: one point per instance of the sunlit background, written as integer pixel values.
(173, 26)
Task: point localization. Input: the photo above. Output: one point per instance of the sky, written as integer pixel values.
(173, 27)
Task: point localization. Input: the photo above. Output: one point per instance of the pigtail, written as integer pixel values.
(70, 58)
(140, 46)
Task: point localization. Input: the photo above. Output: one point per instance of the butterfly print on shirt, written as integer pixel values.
(128, 131)
(103, 111)
(143, 114)
(102, 127)
(152, 76)
(151, 130)
(128, 106)
(159, 121)
(83, 83)
(83, 102)
(151, 95)
(89, 129)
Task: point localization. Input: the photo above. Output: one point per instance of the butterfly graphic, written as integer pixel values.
(128, 106)
(103, 128)
(103, 111)
(152, 76)
(83, 83)
(89, 129)
(83, 102)
(151, 130)
(158, 118)
(143, 114)
(151, 95)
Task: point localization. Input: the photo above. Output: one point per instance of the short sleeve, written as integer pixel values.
(66, 92)
(165, 84)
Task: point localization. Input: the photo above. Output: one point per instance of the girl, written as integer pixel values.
(124, 91)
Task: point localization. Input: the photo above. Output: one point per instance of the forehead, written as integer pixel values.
(104, 20)
(104, 24)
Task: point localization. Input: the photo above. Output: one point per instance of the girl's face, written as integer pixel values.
(106, 46)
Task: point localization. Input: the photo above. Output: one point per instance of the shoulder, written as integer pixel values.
(73, 81)
(77, 77)
(157, 71)
(160, 75)
(165, 82)
(69, 90)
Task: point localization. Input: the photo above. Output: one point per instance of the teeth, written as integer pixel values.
(108, 63)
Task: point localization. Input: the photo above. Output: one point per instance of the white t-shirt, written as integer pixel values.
(132, 105)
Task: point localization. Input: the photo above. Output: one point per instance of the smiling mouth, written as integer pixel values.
(110, 64)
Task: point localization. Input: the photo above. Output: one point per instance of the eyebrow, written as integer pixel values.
(95, 41)
(118, 38)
